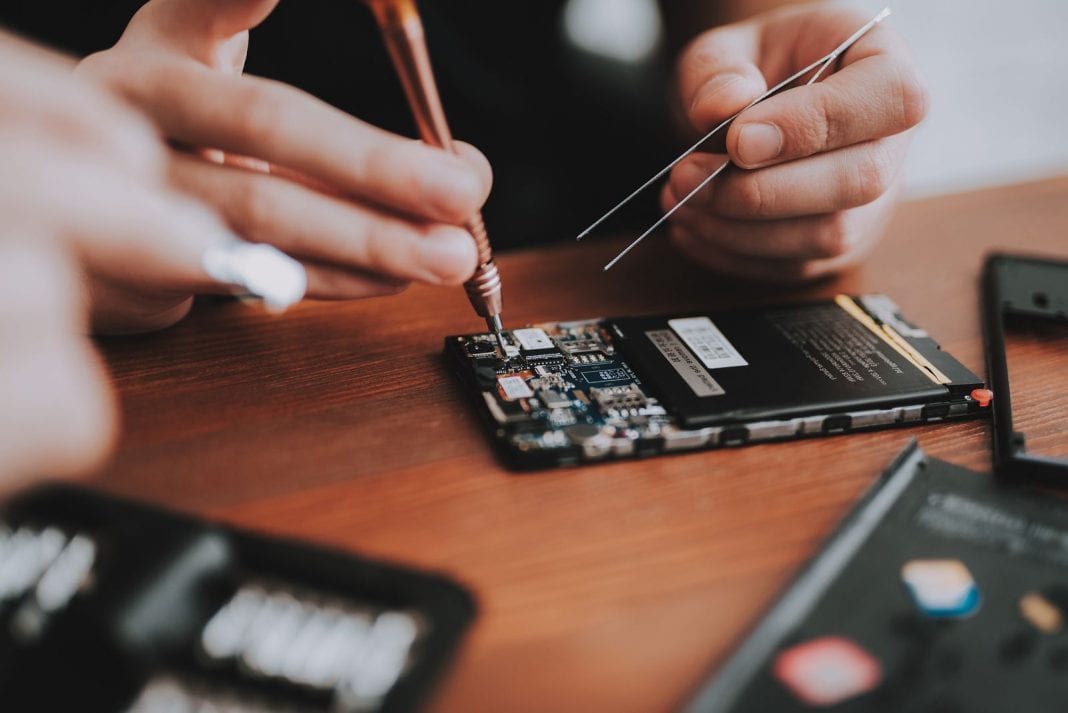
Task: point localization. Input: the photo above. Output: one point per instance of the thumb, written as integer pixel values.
(217, 19)
(214, 32)
(718, 76)
(183, 21)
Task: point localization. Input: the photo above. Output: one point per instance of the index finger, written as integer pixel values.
(718, 75)
(277, 123)
(876, 94)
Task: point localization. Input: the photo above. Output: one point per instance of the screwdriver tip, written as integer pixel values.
(497, 327)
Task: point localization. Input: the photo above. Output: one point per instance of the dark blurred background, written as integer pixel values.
(568, 100)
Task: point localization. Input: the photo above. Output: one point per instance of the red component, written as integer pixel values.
(983, 396)
(826, 671)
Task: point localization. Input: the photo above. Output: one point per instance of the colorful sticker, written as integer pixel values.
(1041, 613)
(941, 589)
(826, 671)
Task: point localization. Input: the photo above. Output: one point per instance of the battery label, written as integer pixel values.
(699, 380)
(702, 336)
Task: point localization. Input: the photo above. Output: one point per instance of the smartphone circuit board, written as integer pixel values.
(568, 392)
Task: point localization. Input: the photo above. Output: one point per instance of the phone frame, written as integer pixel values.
(1034, 288)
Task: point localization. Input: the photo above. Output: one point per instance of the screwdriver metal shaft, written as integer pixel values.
(402, 32)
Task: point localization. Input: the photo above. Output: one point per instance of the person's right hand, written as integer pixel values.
(364, 210)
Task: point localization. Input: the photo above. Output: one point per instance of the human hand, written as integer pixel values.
(58, 415)
(85, 214)
(364, 210)
(82, 168)
(821, 163)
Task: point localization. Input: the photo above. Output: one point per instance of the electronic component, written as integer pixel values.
(554, 399)
(481, 348)
(580, 391)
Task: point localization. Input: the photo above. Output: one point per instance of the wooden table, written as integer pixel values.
(605, 588)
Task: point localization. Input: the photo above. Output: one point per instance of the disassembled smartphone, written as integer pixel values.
(571, 392)
(942, 590)
(1031, 293)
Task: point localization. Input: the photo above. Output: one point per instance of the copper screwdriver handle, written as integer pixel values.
(402, 31)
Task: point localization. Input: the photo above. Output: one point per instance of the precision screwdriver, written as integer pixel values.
(402, 31)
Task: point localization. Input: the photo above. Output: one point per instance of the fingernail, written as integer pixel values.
(758, 143)
(713, 87)
(262, 270)
(448, 255)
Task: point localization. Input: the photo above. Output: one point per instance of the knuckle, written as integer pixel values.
(137, 143)
(830, 126)
(119, 129)
(701, 51)
(914, 98)
(390, 245)
(798, 273)
(747, 195)
(834, 236)
(378, 247)
(675, 189)
(873, 175)
(384, 165)
(263, 112)
(96, 66)
(110, 69)
(257, 204)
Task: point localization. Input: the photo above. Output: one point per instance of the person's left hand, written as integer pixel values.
(817, 166)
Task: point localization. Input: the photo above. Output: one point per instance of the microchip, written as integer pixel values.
(514, 388)
(604, 376)
(553, 399)
(534, 342)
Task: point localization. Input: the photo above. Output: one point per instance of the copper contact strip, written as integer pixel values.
(890, 336)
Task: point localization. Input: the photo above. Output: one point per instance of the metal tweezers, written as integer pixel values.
(820, 65)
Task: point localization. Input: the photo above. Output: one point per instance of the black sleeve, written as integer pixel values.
(567, 133)
(78, 27)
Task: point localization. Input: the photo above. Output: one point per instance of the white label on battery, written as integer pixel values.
(699, 380)
(707, 342)
(533, 339)
(514, 387)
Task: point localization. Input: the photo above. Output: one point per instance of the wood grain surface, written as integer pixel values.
(602, 588)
